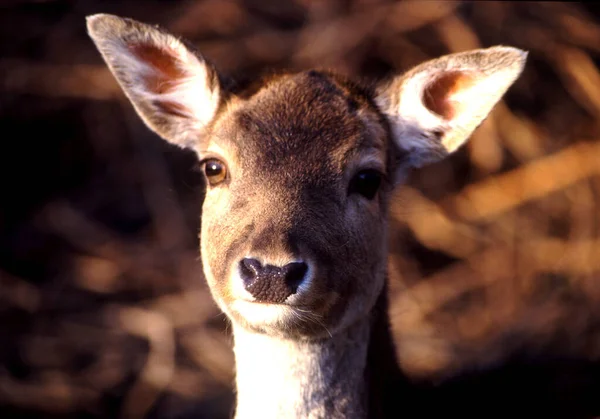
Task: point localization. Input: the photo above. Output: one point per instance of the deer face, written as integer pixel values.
(299, 170)
(293, 227)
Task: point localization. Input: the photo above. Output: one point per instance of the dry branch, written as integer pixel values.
(491, 197)
(160, 363)
(73, 81)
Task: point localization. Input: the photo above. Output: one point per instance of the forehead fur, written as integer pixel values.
(312, 119)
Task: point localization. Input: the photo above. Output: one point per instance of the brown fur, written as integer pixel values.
(290, 130)
(291, 146)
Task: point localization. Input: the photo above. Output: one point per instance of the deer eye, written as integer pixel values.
(215, 171)
(365, 183)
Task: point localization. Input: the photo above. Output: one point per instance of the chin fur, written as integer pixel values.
(281, 320)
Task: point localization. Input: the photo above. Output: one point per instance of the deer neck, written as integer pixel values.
(329, 378)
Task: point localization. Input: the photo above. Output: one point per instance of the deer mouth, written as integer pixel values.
(266, 314)
(310, 316)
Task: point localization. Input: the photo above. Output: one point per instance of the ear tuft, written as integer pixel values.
(174, 90)
(434, 108)
(101, 25)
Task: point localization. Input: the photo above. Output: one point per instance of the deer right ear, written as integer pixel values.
(434, 108)
(175, 91)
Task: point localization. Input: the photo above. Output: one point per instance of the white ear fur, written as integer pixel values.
(434, 108)
(175, 91)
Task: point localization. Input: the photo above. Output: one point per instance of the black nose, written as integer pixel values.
(271, 284)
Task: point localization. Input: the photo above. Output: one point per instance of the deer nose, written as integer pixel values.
(271, 284)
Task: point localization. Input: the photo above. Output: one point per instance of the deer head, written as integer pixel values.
(300, 168)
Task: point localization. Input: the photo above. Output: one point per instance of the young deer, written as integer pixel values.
(299, 169)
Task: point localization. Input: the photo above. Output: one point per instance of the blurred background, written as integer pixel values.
(495, 252)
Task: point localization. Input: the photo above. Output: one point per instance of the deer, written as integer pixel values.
(300, 168)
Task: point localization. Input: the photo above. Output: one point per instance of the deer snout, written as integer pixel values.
(269, 283)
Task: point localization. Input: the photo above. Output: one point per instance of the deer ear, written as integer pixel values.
(175, 91)
(434, 108)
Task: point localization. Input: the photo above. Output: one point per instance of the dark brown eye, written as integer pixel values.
(365, 183)
(215, 171)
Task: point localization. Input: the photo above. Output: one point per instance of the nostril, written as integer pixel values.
(249, 270)
(294, 274)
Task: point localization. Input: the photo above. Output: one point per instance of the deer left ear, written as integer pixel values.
(434, 108)
(173, 89)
